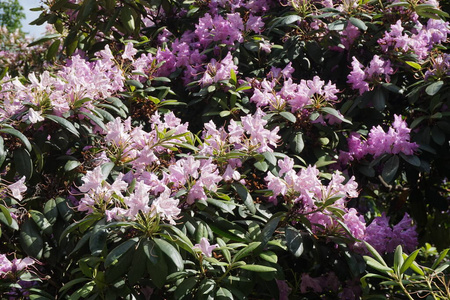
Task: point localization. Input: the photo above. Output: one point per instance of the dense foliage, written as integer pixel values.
(239, 149)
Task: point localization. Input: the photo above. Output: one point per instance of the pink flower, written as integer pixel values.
(18, 188)
(167, 207)
(205, 247)
(129, 52)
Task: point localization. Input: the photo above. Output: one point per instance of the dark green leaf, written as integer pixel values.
(379, 99)
(18, 135)
(245, 196)
(434, 88)
(184, 288)
(358, 23)
(171, 252)
(297, 143)
(390, 168)
(294, 241)
(94, 119)
(31, 240)
(24, 163)
(335, 113)
(246, 251)
(64, 123)
(41, 221)
(120, 250)
(97, 241)
(288, 116)
(135, 83)
(52, 50)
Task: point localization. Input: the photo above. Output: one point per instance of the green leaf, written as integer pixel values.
(398, 259)
(135, 83)
(18, 135)
(411, 159)
(44, 39)
(233, 78)
(158, 272)
(377, 266)
(127, 19)
(150, 251)
(41, 221)
(226, 206)
(97, 241)
(6, 213)
(2, 152)
(31, 240)
(223, 294)
(358, 23)
(335, 113)
(64, 123)
(337, 25)
(258, 268)
(297, 144)
(294, 241)
(438, 260)
(414, 65)
(288, 116)
(390, 168)
(184, 288)
(246, 251)
(245, 196)
(94, 119)
(375, 254)
(379, 99)
(171, 252)
(268, 230)
(71, 165)
(120, 250)
(270, 157)
(434, 88)
(52, 50)
(24, 163)
(269, 256)
(408, 261)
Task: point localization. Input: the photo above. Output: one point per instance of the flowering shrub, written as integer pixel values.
(229, 149)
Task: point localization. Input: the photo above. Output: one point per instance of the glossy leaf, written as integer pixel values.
(31, 239)
(294, 241)
(118, 251)
(171, 252)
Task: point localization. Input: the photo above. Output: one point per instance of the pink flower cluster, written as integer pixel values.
(385, 238)
(218, 71)
(379, 142)
(13, 266)
(420, 42)
(361, 78)
(77, 80)
(155, 186)
(305, 187)
(117, 202)
(297, 96)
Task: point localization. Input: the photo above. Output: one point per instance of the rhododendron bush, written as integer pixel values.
(270, 149)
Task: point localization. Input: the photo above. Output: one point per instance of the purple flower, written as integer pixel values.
(205, 247)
